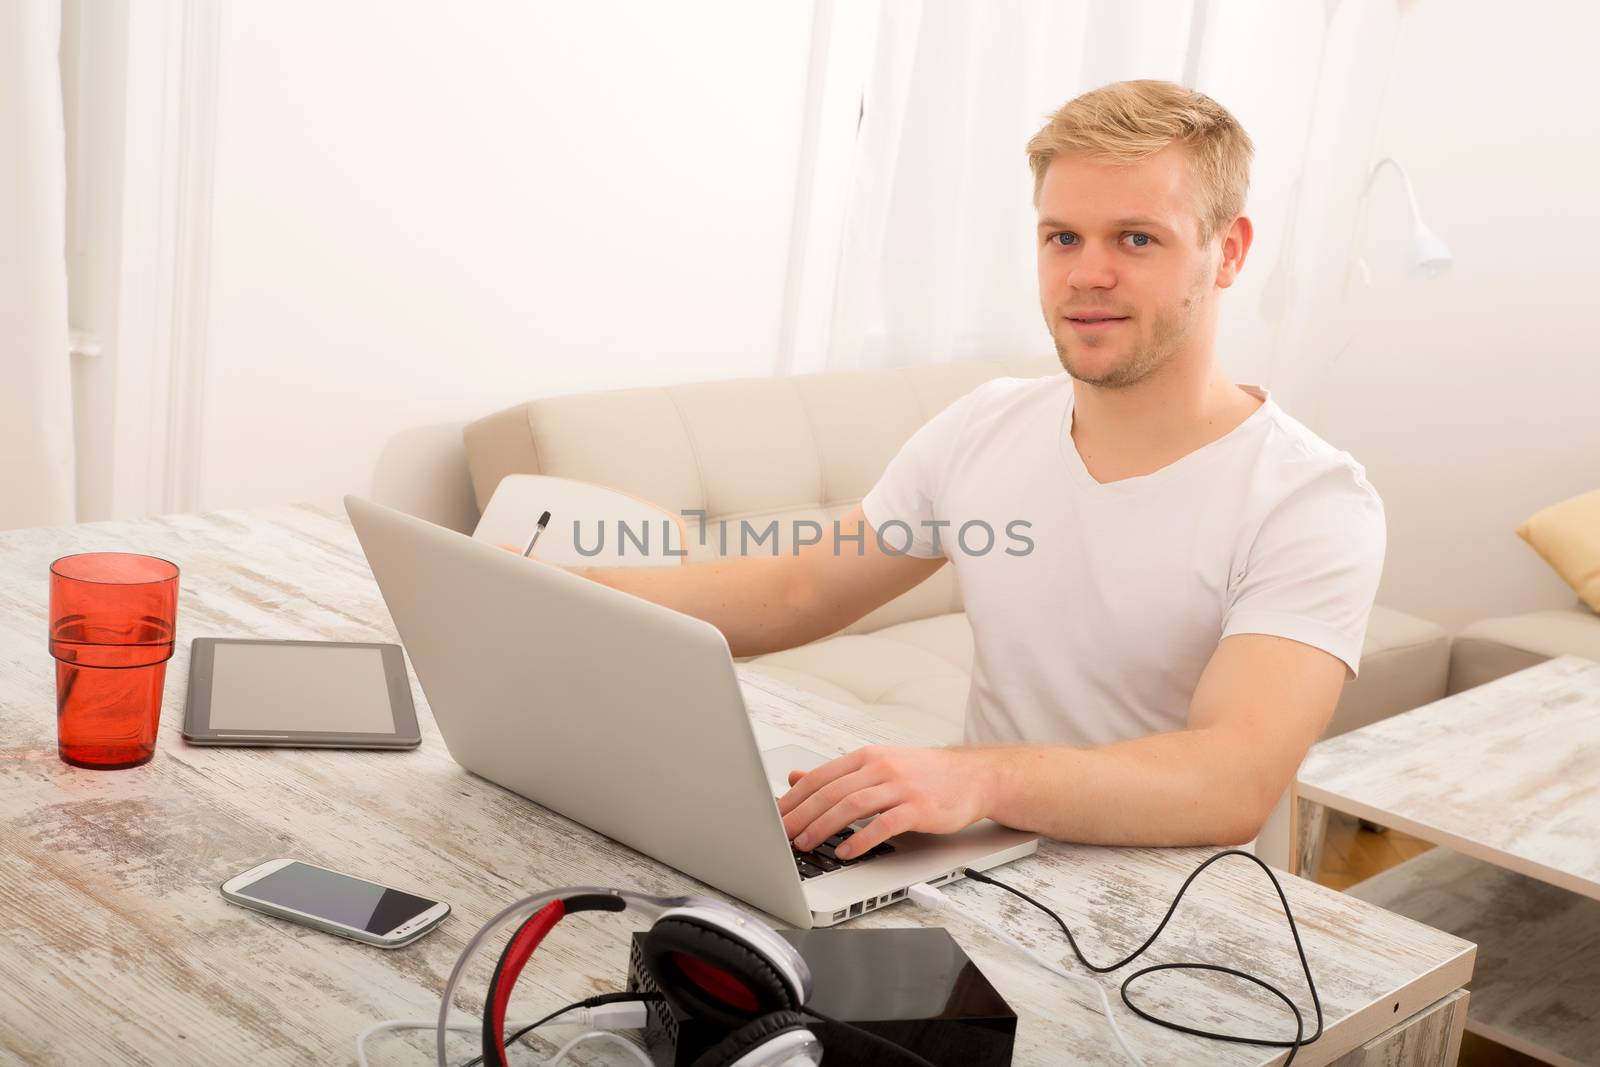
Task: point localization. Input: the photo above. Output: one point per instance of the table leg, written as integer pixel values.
(1430, 1038)
(1310, 826)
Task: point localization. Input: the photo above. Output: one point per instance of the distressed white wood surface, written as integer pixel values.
(1433, 1036)
(1536, 986)
(117, 947)
(1508, 772)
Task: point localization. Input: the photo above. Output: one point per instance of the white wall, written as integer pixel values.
(423, 214)
(1474, 398)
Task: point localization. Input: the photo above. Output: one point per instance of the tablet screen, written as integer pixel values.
(288, 688)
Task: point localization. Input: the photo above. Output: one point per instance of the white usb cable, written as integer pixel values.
(599, 1035)
(600, 1019)
(929, 897)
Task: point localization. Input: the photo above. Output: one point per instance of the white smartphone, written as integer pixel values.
(336, 903)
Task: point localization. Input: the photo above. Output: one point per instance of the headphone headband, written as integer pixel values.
(527, 906)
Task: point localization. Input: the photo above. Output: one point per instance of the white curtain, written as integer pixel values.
(935, 260)
(36, 455)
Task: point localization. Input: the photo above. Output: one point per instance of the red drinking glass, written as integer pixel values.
(112, 620)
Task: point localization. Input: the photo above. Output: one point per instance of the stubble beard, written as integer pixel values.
(1170, 329)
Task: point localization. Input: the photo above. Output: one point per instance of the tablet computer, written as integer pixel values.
(318, 694)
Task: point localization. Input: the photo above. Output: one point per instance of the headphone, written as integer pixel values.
(710, 961)
(713, 962)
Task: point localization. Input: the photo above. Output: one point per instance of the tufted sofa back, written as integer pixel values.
(744, 452)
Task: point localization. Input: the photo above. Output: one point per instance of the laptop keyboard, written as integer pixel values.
(822, 859)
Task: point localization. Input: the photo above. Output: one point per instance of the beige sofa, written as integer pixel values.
(810, 448)
(1492, 648)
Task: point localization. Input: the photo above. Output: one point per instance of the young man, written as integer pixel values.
(1153, 670)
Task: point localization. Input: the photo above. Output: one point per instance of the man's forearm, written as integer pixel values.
(750, 599)
(1188, 787)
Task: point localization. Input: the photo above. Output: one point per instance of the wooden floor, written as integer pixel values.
(1352, 854)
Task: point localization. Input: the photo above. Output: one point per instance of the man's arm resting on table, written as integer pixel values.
(767, 603)
(1260, 704)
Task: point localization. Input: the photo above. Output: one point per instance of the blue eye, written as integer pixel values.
(1065, 240)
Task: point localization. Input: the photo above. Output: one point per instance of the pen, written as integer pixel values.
(537, 530)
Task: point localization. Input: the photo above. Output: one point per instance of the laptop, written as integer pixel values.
(627, 717)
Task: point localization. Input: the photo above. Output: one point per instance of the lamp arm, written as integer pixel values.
(1361, 212)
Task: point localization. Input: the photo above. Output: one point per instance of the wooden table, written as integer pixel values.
(1506, 779)
(118, 949)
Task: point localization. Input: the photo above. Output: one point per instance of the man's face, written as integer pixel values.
(1122, 241)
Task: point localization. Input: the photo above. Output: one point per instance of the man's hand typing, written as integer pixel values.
(933, 790)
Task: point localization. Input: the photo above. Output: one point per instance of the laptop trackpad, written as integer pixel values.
(781, 760)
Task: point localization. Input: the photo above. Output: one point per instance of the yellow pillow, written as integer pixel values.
(1567, 535)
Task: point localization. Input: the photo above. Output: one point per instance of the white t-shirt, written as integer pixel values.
(1093, 622)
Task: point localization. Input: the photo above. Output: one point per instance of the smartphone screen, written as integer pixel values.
(337, 898)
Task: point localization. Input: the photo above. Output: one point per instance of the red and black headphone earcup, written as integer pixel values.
(705, 973)
(769, 1031)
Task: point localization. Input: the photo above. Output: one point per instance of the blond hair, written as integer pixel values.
(1128, 121)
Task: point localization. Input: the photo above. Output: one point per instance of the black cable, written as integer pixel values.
(900, 1051)
(588, 1002)
(1299, 1020)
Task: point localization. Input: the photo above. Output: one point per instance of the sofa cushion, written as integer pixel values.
(1567, 536)
(1493, 648)
(913, 674)
(916, 674)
